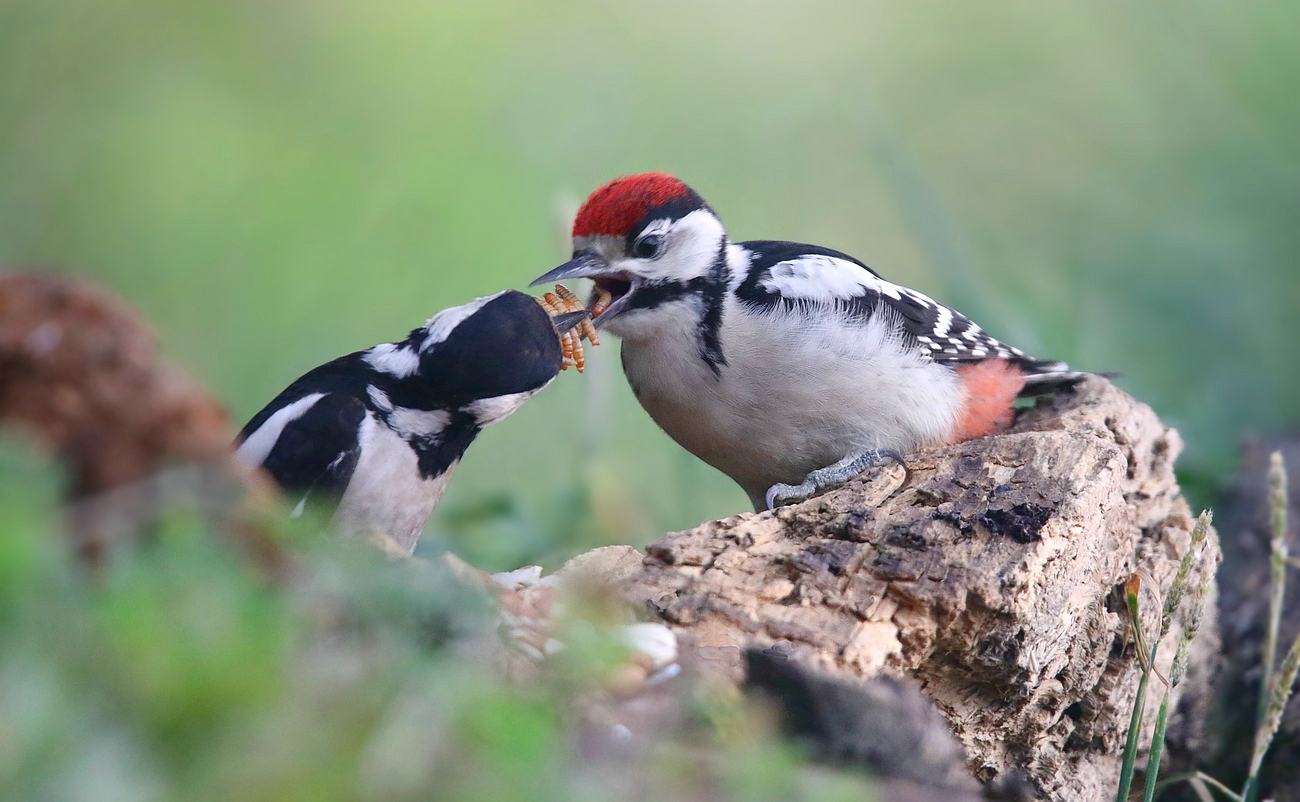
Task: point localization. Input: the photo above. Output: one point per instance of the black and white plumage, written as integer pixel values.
(378, 432)
(789, 367)
(797, 275)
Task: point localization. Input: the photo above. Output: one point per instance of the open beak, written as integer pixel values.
(613, 285)
(563, 323)
(583, 265)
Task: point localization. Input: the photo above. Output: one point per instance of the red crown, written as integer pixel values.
(616, 207)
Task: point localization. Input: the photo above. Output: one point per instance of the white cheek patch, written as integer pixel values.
(395, 360)
(689, 250)
(491, 410)
(254, 451)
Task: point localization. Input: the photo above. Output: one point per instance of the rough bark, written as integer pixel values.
(992, 575)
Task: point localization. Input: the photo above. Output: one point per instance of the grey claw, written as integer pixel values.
(897, 457)
(779, 495)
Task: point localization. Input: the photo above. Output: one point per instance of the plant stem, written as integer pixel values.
(1201, 776)
(1277, 499)
(1157, 747)
(1223, 789)
(1134, 730)
(1276, 688)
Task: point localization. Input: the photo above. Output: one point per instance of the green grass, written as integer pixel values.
(179, 672)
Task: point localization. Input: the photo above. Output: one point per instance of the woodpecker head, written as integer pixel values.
(653, 244)
(487, 356)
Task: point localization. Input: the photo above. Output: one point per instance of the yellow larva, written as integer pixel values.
(559, 302)
(603, 299)
(573, 306)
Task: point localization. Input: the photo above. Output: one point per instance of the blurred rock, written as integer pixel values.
(884, 724)
(79, 371)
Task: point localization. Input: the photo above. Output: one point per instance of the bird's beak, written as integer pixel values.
(568, 320)
(584, 265)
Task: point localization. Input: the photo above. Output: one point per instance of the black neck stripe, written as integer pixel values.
(714, 293)
(652, 294)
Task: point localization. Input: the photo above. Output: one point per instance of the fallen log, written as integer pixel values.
(992, 574)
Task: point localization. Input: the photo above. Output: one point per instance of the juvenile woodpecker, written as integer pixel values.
(378, 432)
(791, 368)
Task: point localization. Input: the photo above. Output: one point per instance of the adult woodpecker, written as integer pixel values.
(378, 432)
(791, 368)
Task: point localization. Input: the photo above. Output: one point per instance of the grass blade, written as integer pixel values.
(1277, 482)
(1181, 659)
(1157, 749)
(1275, 689)
(1132, 597)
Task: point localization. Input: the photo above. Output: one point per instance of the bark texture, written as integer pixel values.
(992, 574)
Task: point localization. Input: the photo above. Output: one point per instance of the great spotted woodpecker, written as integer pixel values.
(378, 432)
(791, 368)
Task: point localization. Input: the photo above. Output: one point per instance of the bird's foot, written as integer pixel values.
(830, 477)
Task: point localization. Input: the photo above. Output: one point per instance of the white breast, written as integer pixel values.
(386, 493)
(798, 393)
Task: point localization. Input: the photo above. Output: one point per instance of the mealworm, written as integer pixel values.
(603, 299)
(571, 341)
(574, 305)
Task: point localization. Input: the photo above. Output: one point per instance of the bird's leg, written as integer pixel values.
(830, 477)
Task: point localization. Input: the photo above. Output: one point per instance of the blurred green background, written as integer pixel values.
(277, 182)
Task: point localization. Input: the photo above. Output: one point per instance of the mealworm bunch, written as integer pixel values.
(572, 304)
(558, 303)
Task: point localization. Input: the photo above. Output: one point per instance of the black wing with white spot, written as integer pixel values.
(809, 276)
(316, 453)
(307, 437)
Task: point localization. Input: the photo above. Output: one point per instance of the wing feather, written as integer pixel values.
(314, 452)
(811, 278)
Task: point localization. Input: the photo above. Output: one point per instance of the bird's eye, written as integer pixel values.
(646, 247)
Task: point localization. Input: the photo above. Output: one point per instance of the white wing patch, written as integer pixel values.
(817, 277)
(826, 279)
(254, 451)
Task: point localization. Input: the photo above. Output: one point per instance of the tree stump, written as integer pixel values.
(993, 574)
